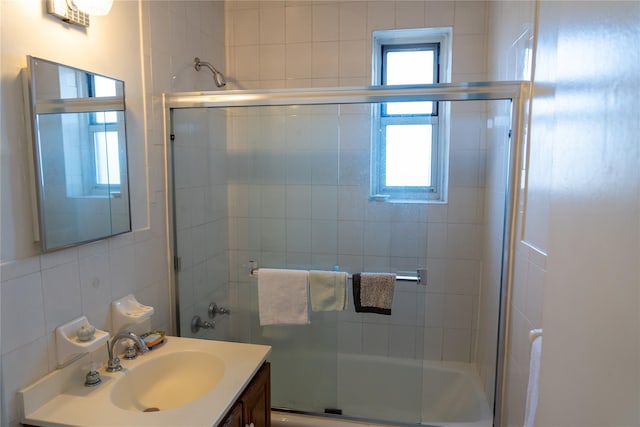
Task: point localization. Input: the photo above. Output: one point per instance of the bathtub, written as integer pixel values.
(449, 394)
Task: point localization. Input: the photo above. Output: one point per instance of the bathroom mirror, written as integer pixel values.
(80, 154)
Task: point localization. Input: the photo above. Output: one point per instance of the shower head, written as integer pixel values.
(218, 77)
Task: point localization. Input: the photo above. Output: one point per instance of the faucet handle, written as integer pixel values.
(130, 353)
(93, 376)
(214, 310)
(113, 365)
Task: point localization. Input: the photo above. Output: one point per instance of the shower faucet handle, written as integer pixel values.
(197, 324)
(215, 310)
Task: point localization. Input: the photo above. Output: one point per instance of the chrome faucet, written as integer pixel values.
(113, 365)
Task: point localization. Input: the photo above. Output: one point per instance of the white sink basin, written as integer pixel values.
(167, 382)
(189, 381)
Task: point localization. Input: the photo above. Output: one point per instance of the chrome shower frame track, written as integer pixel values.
(517, 92)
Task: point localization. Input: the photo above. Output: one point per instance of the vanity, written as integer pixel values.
(182, 382)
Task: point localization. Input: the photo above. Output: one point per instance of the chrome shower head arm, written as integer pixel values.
(217, 75)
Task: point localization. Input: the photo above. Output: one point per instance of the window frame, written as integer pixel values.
(438, 39)
(97, 127)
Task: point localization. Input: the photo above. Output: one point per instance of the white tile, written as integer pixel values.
(297, 24)
(298, 60)
(325, 22)
(469, 52)
(353, 20)
(298, 235)
(464, 168)
(61, 291)
(324, 131)
(458, 311)
(14, 269)
(456, 345)
(273, 234)
(324, 236)
(354, 167)
(434, 311)
(273, 201)
(439, 13)
(350, 237)
(462, 276)
(402, 342)
(436, 240)
(324, 202)
(410, 14)
(325, 59)
(404, 309)
(350, 337)
(377, 211)
(20, 368)
(298, 167)
(324, 168)
(406, 237)
(22, 311)
(272, 26)
(64, 256)
(95, 288)
(298, 204)
(465, 205)
(351, 203)
(377, 238)
(375, 339)
(247, 62)
(433, 338)
(380, 16)
(246, 27)
(353, 59)
(272, 62)
(463, 241)
(470, 18)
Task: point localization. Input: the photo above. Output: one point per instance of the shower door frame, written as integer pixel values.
(518, 92)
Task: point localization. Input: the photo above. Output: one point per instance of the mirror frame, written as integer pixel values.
(37, 107)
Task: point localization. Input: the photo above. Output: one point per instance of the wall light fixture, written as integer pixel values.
(78, 11)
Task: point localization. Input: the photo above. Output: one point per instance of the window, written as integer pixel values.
(410, 138)
(104, 129)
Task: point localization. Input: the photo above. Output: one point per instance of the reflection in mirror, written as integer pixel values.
(80, 154)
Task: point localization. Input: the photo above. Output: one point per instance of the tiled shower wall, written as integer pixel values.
(291, 44)
(510, 56)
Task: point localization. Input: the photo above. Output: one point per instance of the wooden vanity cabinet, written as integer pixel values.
(253, 407)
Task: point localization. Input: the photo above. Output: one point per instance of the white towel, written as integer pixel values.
(532, 386)
(283, 297)
(328, 290)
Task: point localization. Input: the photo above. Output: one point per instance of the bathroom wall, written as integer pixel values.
(143, 44)
(276, 45)
(588, 53)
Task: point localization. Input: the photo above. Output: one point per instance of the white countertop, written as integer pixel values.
(61, 399)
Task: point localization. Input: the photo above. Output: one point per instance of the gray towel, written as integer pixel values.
(373, 292)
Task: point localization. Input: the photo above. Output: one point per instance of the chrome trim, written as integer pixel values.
(80, 105)
(346, 95)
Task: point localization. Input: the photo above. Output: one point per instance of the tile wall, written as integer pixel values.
(510, 55)
(276, 45)
(142, 44)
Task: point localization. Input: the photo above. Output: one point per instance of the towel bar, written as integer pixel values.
(419, 278)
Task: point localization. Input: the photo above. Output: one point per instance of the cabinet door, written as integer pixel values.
(256, 400)
(234, 418)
